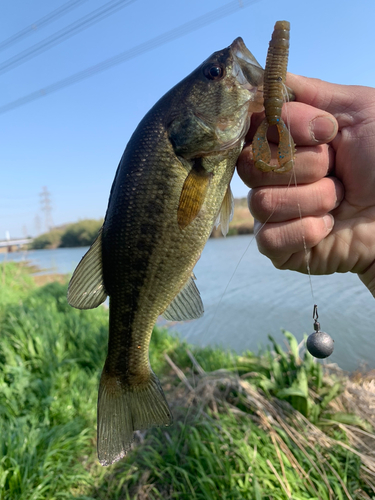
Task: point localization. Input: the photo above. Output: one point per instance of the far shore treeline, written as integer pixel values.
(78, 234)
(83, 232)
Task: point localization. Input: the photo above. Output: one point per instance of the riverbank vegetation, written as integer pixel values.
(269, 426)
(78, 234)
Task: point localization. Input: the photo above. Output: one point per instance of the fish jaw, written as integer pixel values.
(252, 71)
(249, 74)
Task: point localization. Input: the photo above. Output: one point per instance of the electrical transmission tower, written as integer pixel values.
(45, 200)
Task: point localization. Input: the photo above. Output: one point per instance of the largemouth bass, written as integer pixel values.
(170, 188)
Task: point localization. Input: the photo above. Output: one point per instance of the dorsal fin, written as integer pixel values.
(86, 287)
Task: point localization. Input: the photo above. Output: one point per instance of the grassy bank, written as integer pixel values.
(272, 426)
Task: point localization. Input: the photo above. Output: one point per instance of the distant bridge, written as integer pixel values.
(15, 243)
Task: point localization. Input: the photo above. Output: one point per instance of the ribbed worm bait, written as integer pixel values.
(274, 92)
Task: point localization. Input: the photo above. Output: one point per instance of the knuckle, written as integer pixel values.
(269, 242)
(262, 202)
(315, 233)
(279, 264)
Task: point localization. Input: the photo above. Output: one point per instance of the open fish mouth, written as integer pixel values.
(246, 69)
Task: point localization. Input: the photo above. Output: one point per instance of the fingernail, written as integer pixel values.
(323, 128)
(249, 195)
(339, 194)
(329, 221)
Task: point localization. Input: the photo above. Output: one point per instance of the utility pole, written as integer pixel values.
(45, 200)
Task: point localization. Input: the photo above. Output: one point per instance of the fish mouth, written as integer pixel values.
(246, 69)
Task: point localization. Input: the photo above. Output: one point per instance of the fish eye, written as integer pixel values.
(214, 72)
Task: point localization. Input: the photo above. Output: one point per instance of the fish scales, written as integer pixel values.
(170, 186)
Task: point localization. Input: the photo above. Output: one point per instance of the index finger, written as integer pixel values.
(331, 97)
(309, 126)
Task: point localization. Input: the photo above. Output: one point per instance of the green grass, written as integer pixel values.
(15, 283)
(230, 443)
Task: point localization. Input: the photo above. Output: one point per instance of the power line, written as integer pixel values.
(43, 21)
(60, 36)
(182, 30)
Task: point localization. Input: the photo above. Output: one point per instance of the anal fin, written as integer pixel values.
(186, 305)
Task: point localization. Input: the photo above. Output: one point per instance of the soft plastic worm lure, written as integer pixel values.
(274, 92)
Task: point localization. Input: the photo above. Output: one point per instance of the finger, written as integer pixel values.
(308, 125)
(311, 164)
(278, 204)
(279, 240)
(333, 98)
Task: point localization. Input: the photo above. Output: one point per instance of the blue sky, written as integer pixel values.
(72, 140)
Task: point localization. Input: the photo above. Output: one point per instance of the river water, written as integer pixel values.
(246, 299)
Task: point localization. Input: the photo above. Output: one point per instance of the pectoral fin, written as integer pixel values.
(226, 212)
(186, 305)
(86, 287)
(193, 194)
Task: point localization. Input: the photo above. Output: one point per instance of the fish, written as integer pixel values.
(172, 186)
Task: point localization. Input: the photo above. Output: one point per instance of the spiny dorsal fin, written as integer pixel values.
(226, 212)
(193, 194)
(186, 305)
(86, 287)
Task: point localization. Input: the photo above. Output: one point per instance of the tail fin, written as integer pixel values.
(124, 409)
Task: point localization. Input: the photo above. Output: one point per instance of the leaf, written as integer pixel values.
(290, 391)
(256, 489)
(349, 419)
(301, 382)
(268, 385)
(293, 345)
(298, 393)
(334, 391)
(277, 372)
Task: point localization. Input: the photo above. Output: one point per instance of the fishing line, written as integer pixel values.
(243, 255)
(286, 98)
(307, 258)
(319, 344)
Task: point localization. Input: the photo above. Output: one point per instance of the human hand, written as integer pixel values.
(335, 176)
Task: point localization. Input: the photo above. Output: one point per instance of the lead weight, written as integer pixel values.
(320, 344)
